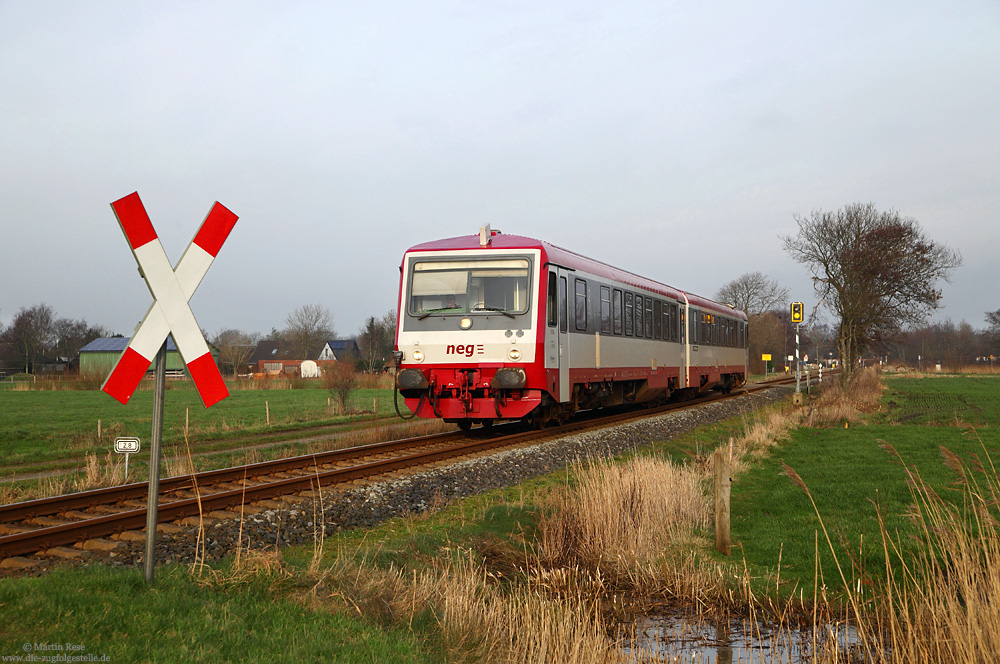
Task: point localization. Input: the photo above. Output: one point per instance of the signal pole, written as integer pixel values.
(797, 318)
(798, 362)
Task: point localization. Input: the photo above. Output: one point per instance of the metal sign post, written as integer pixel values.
(798, 362)
(155, 444)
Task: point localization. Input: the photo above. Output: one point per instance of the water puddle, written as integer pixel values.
(676, 639)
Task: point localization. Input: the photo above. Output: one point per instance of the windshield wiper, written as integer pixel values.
(437, 311)
(497, 309)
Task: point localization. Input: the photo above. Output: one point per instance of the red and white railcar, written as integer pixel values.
(495, 326)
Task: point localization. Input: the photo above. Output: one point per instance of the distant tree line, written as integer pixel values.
(37, 336)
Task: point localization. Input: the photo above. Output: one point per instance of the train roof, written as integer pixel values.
(570, 259)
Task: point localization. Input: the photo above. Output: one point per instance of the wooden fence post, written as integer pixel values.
(723, 542)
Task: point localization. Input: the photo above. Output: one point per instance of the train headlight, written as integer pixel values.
(418, 355)
(514, 354)
(465, 323)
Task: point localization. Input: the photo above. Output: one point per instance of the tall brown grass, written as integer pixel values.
(478, 617)
(839, 405)
(96, 472)
(621, 514)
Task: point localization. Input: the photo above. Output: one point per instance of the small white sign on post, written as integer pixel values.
(126, 446)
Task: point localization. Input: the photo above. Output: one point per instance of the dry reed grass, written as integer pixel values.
(838, 405)
(479, 618)
(619, 515)
(94, 474)
(249, 568)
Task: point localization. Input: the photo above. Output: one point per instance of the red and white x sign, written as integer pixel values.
(171, 289)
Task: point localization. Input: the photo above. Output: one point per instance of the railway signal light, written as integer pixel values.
(797, 315)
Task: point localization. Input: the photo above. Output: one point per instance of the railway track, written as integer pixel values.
(40, 526)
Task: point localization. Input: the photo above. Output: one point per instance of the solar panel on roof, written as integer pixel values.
(117, 345)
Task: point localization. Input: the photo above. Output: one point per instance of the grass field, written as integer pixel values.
(39, 427)
(110, 613)
(850, 474)
(368, 595)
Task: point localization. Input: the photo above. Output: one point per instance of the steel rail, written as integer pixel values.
(84, 499)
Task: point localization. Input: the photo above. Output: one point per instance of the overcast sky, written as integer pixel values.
(673, 139)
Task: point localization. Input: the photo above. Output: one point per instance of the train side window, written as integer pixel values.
(649, 317)
(657, 320)
(674, 323)
(605, 310)
(563, 303)
(553, 301)
(638, 317)
(616, 310)
(628, 314)
(580, 287)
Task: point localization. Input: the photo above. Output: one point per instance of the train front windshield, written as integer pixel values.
(469, 286)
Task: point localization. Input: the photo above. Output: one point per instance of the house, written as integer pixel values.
(281, 357)
(101, 355)
(341, 350)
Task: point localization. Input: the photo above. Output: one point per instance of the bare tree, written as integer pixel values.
(767, 337)
(753, 293)
(72, 335)
(341, 379)
(376, 340)
(307, 327)
(876, 271)
(992, 333)
(235, 348)
(32, 334)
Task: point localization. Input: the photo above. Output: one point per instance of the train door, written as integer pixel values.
(557, 340)
(685, 348)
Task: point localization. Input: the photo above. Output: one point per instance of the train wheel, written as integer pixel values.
(487, 424)
(464, 425)
(539, 417)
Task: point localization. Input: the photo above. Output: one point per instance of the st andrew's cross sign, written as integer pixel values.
(171, 289)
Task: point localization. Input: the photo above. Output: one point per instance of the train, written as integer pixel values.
(495, 327)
